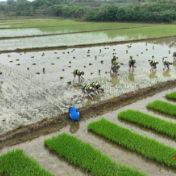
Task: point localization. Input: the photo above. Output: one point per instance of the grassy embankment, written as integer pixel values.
(87, 157)
(163, 107)
(171, 95)
(145, 146)
(148, 121)
(17, 163)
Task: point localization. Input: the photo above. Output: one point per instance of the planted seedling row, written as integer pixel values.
(171, 95)
(145, 146)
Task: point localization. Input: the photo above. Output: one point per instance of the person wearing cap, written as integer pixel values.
(153, 65)
(78, 73)
(88, 89)
(131, 64)
(166, 64)
(113, 62)
(96, 87)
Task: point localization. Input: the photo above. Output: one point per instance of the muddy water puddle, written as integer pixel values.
(59, 166)
(35, 84)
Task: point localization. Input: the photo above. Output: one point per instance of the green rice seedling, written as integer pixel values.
(10, 61)
(43, 69)
(61, 77)
(169, 51)
(16, 162)
(38, 73)
(84, 66)
(87, 157)
(8, 55)
(106, 72)
(88, 55)
(34, 64)
(149, 60)
(153, 47)
(63, 70)
(32, 57)
(137, 55)
(101, 61)
(28, 68)
(52, 63)
(69, 66)
(146, 49)
(148, 121)
(152, 57)
(126, 51)
(0, 73)
(69, 62)
(68, 52)
(73, 57)
(113, 49)
(69, 82)
(131, 57)
(55, 52)
(63, 52)
(17, 59)
(58, 57)
(91, 73)
(171, 95)
(135, 66)
(102, 89)
(143, 145)
(99, 71)
(90, 64)
(18, 64)
(121, 63)
(95, 57)
(141, 52)
(163, 107)
(43, 54)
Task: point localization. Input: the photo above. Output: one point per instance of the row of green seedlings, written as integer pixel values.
(171, 95)
(150, 122)
(143, 145)
(163, 107)
(87, 157)
(17, 163)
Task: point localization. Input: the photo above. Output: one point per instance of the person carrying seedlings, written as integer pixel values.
(88, 89)
(113, 62)
(153, 65)
(78, 73)
(166, 64)
(115, 68)
(131, 64)
(96, 87)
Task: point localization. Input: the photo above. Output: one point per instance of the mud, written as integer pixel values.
(3, 38)
(82, 45)
(46, 126)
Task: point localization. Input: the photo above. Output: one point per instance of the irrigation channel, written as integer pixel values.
(29, 93)
(60, 166)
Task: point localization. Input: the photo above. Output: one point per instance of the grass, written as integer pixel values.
(149, 121)
(171, 95)
(87, 157)
(17, 163)
(163, 107)
(143, 145)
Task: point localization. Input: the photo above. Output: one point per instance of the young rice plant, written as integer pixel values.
(171, 95)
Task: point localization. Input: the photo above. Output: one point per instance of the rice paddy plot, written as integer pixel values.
(66, 29)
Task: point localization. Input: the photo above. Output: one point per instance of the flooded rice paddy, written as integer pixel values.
(34, 85)
(89, 38)
(60, 166)
(66, 29)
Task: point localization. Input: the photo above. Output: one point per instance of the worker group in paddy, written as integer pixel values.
(95, 86)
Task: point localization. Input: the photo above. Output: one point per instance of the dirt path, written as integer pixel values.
(46, 126)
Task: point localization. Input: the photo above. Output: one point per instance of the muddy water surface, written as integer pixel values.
(59, 166)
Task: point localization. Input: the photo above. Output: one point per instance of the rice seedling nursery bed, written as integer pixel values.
(87, 157)
(148, 121)
(17, 163)
(163, 107)
(145, 146)
(171, 95)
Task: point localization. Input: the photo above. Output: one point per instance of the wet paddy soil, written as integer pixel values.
(46, 126)
(3, 38)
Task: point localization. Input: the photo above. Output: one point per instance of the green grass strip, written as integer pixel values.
(148, 121)
(163, 107)
(17, 163)
(87, 157)
(145, 146)
(171, 95)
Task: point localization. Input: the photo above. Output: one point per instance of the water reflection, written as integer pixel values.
(74, 127)
(153, 75)
(166, 73)
(131, 76)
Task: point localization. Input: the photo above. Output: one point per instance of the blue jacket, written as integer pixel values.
(74, 114)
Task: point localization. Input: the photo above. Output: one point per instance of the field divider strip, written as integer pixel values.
(164, 107)
(150, 122)
(147, 147)
(43, 35)
(16, 162)
(87, 157)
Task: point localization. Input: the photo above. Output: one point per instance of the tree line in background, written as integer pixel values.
(94, 10)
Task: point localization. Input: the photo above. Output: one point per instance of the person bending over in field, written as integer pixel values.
(113, 62)
(78, 73)
(96, 87)
(167, 64)
(88, 89)
(153, 65)
(131, 64)
(115, 69)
